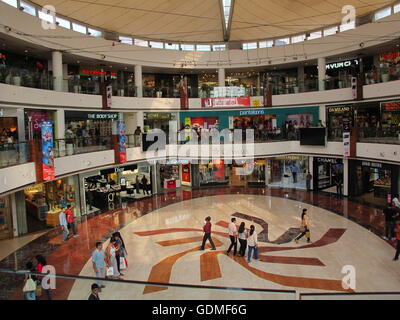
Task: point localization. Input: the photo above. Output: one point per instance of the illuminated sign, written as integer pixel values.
(96, 72)
(252, 112)
(391, 106)
(343, 64)
(339, 109)
(390, 57)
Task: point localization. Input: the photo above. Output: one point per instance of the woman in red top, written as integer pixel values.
(207, 234)
(41, 263)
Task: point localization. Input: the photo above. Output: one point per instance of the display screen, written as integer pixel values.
(313, 136)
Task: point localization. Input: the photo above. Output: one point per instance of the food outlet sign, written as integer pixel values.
(391, 106)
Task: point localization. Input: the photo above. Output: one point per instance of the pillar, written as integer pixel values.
(221, 77)
(345, 176)
(139, 81)
(321, 73)
(311, 170)
(59, 132)
(300, 77)
(65, 78)
(57, 67)
(21, 124)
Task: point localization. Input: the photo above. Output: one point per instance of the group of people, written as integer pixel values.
(108, 263)
(32, 287)
(248, 239)
(67, 221)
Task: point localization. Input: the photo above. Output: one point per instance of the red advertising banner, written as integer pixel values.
(186, 173)
(225, 102)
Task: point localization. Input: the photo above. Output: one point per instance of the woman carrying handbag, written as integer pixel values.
(29, 288)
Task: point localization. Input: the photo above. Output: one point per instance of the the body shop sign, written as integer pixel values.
(225, 102)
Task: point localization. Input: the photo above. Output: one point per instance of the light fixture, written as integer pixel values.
(21, 8)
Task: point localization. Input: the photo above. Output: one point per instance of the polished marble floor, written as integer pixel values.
(163, 247)
(163, 235)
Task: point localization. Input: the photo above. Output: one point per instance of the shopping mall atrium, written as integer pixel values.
(199, 150)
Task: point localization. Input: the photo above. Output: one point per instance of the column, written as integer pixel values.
(57, 67)
(59, 132)
(345, 177)
(221, 77)
(21, 124)
(311, 170)
(321, 73)
(300, 77)
(65, 77)
(138, 81)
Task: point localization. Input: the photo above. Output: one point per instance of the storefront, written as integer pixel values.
(389, 66)
(390, 118)
(334, 120)
(170, 174)
(90, 124)
(338, 74)
(373, 182)
(327, 172)
(108, 188)
(43, 202)
(33, 120)
(283, 81)
(8, 129)
(214, 173)
(247, 174)
(158, 120)
(6, 223)
(287, 171)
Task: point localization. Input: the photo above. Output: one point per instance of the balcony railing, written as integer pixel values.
(72, 146)
(13, 154)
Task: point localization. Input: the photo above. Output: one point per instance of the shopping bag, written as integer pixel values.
(30, 285)
(39, 290)
(110, 272)
(122, 264)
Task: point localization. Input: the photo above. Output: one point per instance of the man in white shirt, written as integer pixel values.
(233, 236)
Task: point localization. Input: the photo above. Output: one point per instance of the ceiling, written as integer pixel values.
(203, 21)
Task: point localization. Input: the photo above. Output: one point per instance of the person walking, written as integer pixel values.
(71, 221)
(41, 263)
(99, 263)
(207, 234)
(396, 203)
(144, 185)
(95, 292)
(390, 215)
(339, 189)
(233, 236)
(121, 251)
(253, 244)
(64, 225)
(294, 173)
(305, 230)
(242, 235)
(308, 181)
(111, 259)
(397, 230)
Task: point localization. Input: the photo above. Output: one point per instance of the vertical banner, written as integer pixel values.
(184, 93)
(346, 137)
(48, 150)
(122, 141)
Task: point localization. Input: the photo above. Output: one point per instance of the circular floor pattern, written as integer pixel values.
(163, 247)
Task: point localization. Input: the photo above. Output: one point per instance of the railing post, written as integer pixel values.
(298, 294)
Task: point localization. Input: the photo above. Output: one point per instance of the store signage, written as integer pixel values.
(252, 112)
(96, 72)
(102, 116)
(256, 102)
(391, 106)
(371, 164)
(122, 141)
(339, 109)
(225, 102)
(328, 160)
(47, 151)
(342, 64)
(118, 169)
(108, 98)
(390, 57)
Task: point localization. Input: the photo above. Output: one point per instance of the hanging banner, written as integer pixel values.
(184, 93)
(48, 151)
(225, 102)
(122, 141)
(346, 137)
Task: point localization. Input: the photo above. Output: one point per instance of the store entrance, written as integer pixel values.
(287, 172)
(328, 174)
(247, 174)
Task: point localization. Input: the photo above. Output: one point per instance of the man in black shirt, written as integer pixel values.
(95, 292)
(390, 215)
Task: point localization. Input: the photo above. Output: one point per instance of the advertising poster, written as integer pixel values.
(346, 137)
(48, 150)
(122, 141)
(186, 174)
(225, 102)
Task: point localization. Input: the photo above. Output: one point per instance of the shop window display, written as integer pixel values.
(287, 171)
(335, 116)
(214, 173)
(170, 176)
(252, 173)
